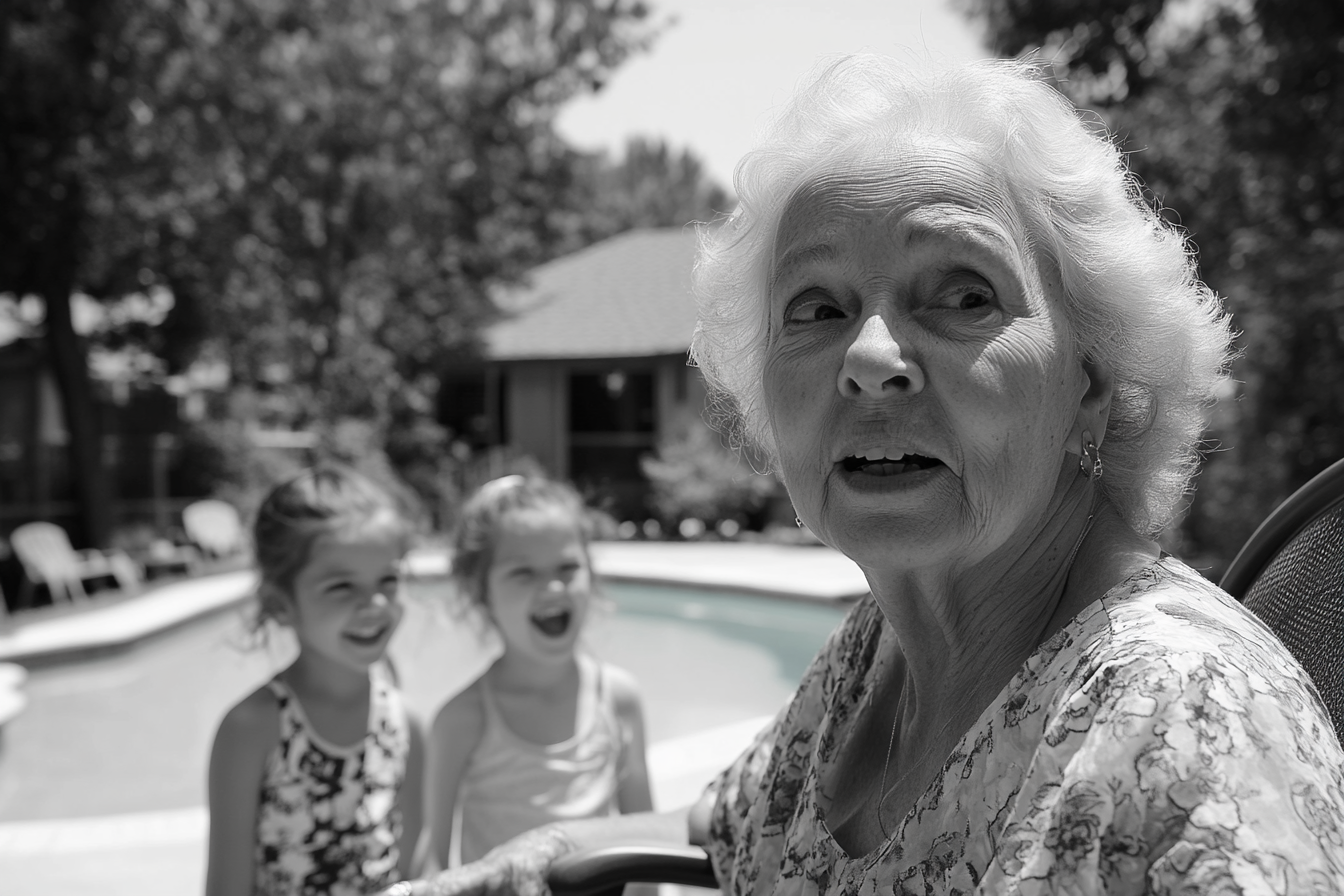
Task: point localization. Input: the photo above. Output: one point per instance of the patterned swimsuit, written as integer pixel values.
(328, 821)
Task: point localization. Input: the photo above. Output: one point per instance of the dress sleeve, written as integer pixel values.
(1204, 771)
(734, 792)
(754, 798)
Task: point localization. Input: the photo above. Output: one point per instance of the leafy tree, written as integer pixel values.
(328, 188)
(49, 102)
(651, 185)
(1234, 117)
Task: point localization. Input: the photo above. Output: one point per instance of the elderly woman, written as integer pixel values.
(980, 360)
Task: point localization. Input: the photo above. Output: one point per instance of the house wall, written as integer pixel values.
(538, 413)
(681, 396)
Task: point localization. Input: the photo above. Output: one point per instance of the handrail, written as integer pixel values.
(595, 871)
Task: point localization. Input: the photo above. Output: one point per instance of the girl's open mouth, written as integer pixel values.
(367, 638)
(553, 622)
(888, 466)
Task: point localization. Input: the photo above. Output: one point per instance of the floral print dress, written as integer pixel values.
(1163, 741)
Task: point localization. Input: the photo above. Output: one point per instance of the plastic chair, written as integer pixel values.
(1290, 573)
(215, 527)
(48, 559)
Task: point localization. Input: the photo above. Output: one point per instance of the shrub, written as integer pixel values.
(695, 477)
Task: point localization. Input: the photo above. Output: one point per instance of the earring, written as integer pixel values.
(1089, 464)
(798, 522)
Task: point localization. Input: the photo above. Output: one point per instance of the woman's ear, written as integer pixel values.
(1094, 408)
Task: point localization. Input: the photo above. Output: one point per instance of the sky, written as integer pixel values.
(712, 77)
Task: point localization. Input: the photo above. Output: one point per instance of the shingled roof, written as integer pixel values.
(628, 296)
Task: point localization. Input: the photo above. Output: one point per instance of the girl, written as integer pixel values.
(547, 732)
(315, 778)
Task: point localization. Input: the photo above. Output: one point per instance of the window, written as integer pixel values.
(612, 424)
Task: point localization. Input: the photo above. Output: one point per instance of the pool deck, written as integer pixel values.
(806, 572)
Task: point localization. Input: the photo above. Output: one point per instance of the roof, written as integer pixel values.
(628, 296)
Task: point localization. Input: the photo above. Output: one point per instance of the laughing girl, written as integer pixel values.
(547, 732)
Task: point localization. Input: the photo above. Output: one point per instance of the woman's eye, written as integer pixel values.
(973, 299)
(966, 294)
(811, 307)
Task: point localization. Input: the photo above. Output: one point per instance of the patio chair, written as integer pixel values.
(215, 527)
(1290, 573)
(606, 870)
(47, 558)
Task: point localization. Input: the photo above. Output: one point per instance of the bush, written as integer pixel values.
(695, 477)
(218, 459)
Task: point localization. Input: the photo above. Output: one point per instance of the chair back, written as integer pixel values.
(215, 526)
(1290, 573)
(45, 552)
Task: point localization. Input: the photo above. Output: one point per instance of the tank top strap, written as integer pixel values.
(593, 706)
(383, 691)
(292, 723)
(604, 705)
(595, 669)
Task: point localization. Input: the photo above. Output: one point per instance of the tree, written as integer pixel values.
(651, 185)
(359, 174)
(328, 188)
(51, 99)
(1235, 122)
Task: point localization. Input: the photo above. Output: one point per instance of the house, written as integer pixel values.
(588, 370)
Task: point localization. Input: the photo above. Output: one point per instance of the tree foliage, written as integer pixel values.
(695, 476)
(651, 185)
(327, 188)
(1233, 115)
(52, 98)
(331, 188)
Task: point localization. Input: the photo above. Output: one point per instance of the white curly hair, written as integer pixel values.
(1134, 300)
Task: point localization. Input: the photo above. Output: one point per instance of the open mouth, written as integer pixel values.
(553, 623)
(889, 466)
(367, 638)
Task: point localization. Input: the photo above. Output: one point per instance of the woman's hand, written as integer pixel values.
(517, 868)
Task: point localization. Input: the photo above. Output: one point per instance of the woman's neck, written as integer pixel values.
(962, 634)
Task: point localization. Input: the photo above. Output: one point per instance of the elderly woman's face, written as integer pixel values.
(919, 378)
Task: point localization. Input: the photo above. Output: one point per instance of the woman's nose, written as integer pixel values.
(876, 365)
